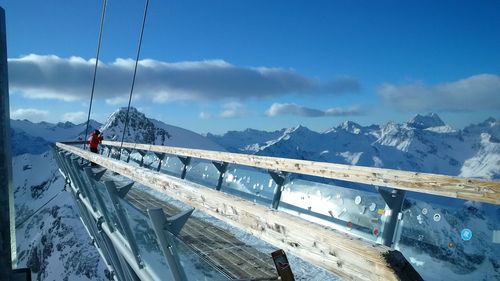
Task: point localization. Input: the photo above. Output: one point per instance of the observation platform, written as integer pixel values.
(358, 223)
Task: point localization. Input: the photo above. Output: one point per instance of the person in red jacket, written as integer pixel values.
(94, 140)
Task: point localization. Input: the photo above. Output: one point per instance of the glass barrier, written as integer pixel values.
(145, 238)
(359, 212)
(451, 239)
(101, 189)
(203, 172)
(171, 165)
(249, 183)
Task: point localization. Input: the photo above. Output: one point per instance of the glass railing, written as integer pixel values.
(451, 239)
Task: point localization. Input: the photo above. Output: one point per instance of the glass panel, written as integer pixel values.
(359, 212)
(195, 267)
(109, 206)
(88, 191)
(451, 239)
(145, 238)
(249, 183)
(172, 165)
(203, 172)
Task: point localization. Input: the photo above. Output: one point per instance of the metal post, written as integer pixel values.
(222, 168)
(185, 161)
(7, 216)
(120, 213)
(279, 178)
(159, 223)
(394, 200)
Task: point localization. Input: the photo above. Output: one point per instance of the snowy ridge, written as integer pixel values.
(53, 132)
(423, 144)
(145, 130)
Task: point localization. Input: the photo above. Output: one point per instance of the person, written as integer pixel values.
(94, 140)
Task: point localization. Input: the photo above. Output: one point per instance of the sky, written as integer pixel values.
(214, 66)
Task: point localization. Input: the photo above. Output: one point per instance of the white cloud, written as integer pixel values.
(32, 114)
(75, 117)
(233, 110)
(69, 79)
(278, 109)
(472, 93)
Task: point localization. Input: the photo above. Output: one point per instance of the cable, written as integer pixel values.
(103, 15)
(135, 73)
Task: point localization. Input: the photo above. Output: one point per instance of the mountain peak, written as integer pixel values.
(425, 121)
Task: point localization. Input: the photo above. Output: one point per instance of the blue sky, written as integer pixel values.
(213, 66)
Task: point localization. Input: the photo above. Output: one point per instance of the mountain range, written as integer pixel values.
(53, 242)
(423, 144)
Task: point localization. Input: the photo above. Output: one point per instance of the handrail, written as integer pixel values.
(335, 251)
(441, 185)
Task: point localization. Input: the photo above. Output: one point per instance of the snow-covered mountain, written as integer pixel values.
(244, 141)
(51, 239)
(142, 129)
(423, 144)
(53, 132)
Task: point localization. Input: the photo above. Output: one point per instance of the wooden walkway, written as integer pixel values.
(217, 246)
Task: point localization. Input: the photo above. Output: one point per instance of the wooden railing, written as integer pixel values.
(449, 186)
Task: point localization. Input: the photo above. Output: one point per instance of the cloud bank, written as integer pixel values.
(278, 109)
(69, 79)
(32, 114)
(476, 92)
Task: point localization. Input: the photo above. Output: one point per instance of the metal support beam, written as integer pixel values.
(120, 212)
(279, 178)
(185, 161)
(222, 169)
(160, 224)
(7, 212)
(394, 199)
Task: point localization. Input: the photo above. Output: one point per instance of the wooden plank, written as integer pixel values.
(449, 186)
(338, 252)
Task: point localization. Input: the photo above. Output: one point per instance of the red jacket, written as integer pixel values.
(94, 140)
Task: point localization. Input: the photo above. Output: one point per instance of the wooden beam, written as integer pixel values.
(349, 257)
(449, 186)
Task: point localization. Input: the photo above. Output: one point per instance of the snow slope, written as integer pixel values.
(51, 239)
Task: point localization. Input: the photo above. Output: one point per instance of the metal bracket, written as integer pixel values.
(222, 168)
(160, 157)
(279, 178)
(185, 161)
(394, 199)
(98, 175)
(122, 191)
(160, 222)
